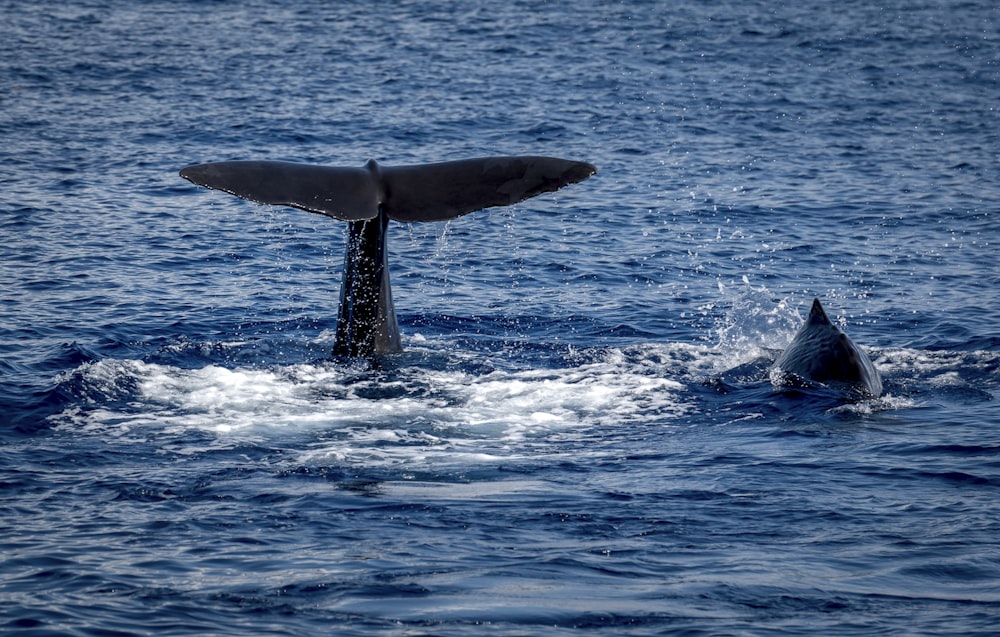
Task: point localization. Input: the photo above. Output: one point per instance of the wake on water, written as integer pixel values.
(440, 404)
(425, 406)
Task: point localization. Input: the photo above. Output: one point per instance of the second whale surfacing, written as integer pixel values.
(367, 198)
(821, 353)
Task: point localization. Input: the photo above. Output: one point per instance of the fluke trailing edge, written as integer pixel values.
(821, 353)
(368, 197)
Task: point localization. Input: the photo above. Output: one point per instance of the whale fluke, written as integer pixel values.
(821, 353)
(368, 197)
(425, 192)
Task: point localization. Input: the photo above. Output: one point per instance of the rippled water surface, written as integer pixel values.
(580, 434)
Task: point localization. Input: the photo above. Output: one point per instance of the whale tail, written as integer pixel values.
(821, 353)
(367, 198)
(424, 192)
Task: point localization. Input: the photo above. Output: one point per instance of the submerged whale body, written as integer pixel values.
(821, 353)
(367, 198)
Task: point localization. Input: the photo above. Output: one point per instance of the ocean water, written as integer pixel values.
(580, 436)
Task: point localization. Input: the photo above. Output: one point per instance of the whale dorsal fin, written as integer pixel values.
(817, 315)
(821, 352)
(425, 192)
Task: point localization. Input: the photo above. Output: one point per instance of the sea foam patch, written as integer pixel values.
(344, 413)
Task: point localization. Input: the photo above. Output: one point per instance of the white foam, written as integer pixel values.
(413, 415)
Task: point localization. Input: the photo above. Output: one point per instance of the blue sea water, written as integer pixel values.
(580, 436)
